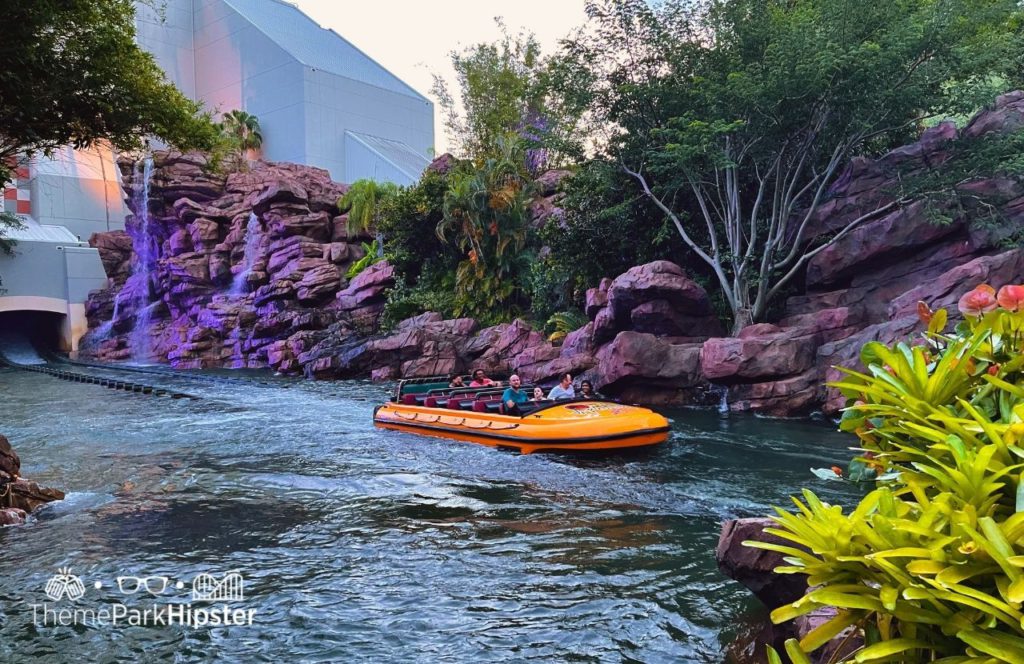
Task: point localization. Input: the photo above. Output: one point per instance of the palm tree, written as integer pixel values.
(243, 129)
(363, 202)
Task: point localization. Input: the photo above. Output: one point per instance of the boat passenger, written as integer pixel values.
(513, 396)
(456, 382)
(564, 389)
(538, 394)
(587, 390)
(480, 379)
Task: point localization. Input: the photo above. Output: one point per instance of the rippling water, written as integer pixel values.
(362, 545)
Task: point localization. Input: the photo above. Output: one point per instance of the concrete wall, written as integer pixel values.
(166, 32)
(220, 57)
(46, 276)
(78, 189)
(239, 67)
(335, 104)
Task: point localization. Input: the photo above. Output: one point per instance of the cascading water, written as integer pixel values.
(142, 243)
(253, 234)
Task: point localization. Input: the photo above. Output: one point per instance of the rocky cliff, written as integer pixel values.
(247, 271)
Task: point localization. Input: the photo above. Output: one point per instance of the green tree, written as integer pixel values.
(71, 74)
(363, 202)
(486, 215)
(735, 116)
(242, 131)
(507, 87)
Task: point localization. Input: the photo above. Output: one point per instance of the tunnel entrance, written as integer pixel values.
(41, 328)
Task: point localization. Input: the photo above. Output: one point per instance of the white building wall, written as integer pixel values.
(335, 104)
(165, 30)
(78, 189)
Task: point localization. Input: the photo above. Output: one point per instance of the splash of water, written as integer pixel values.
(253, 235)
(142, 243)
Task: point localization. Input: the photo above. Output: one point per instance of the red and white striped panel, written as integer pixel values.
(17, 198)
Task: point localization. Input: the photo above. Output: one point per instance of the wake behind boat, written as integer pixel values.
(430, 407)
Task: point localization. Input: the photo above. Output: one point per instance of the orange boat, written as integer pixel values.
(429, 407)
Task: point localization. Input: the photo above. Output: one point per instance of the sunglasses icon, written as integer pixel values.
(154, 585)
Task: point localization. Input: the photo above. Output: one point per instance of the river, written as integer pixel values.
(362, 545)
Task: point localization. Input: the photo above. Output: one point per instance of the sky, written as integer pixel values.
(413, 38)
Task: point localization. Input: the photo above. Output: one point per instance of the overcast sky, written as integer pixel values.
(412, 38)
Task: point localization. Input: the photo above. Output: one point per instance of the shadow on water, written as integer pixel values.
(366, 545)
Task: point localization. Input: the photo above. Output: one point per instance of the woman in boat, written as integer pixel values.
(513, 395)
(587, 390)
(538, 394)
(564, 389)
(456, 382)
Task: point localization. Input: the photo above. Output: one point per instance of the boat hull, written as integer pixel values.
(571, 427)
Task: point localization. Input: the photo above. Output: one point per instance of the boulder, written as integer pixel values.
(659, 280)
(648, 367)
(769, 353)
(754, 568)
(10, 463)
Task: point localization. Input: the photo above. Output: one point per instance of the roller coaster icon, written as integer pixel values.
(207, 588)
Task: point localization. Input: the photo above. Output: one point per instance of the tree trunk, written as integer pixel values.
(742, 317)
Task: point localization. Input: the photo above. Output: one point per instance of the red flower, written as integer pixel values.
(837, 470)
(1011, 297)
(993, 370)
(924, 312)
(979, 301)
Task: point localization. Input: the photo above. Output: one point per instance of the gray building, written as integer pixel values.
(319, 99)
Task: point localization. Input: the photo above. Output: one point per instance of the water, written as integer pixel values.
(363, 545)
(253, 234)
(145, 254)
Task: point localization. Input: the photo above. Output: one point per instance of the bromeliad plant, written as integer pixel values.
(930, 565)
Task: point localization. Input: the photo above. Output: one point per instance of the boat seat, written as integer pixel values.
(409, 399)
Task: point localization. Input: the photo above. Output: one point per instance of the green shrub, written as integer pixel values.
(930, 565)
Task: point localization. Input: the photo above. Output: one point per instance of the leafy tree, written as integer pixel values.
(71, 74)
(242, 131)
(486, 215)
(735, 116)
(363, 203)
(507, 87)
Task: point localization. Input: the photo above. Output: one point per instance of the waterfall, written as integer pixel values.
(253, 234)
(723, 403)
(104, 330)
(139, 341)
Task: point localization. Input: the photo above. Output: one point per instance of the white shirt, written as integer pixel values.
(559, 392)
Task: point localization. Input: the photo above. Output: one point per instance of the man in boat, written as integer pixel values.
(480, 379)
(564, 389)
(513, 395)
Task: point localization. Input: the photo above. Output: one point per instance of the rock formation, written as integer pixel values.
(19, 496)
(245, 270)
(652, 335)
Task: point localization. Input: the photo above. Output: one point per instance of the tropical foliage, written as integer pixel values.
(242, 134)
(372, 253)
(72, 74)
(363, 203)
(508, 87)
(486, 216)
(929, 565)
(735, 117)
